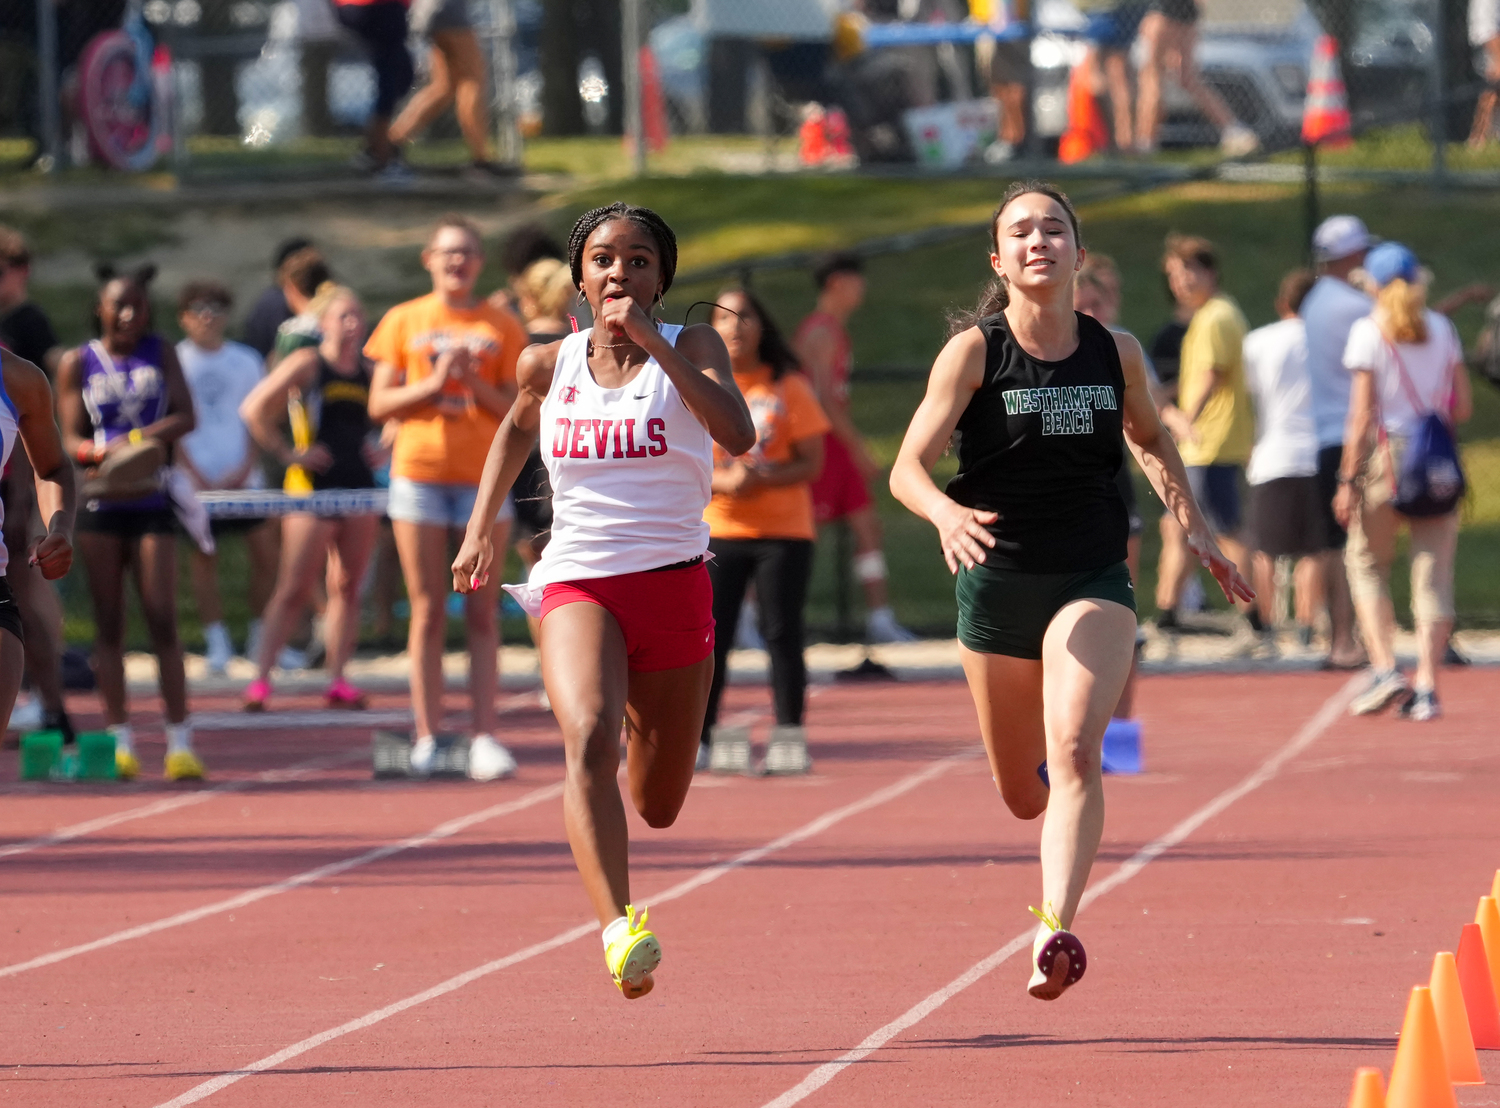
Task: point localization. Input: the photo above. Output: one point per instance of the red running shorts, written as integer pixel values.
(839, 490)
(666, 615)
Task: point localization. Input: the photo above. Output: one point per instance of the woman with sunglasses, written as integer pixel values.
(445, 367)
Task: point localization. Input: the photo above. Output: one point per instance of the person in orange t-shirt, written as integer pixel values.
(445, 367)
(760, 520)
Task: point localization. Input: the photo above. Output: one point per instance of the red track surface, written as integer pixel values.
(1256, 963)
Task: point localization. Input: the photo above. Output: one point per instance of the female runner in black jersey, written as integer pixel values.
(1035, 529)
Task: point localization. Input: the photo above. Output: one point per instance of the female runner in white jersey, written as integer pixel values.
(627, 414)
(1035, 529)
(26, 416)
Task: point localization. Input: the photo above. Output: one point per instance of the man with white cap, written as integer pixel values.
(1330, 308)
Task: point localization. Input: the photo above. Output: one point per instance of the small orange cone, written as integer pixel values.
(1367, 1092)
(1488, 918)
(1086, 134)
(1325, 111)
(1479, 989)
(1419, 1076)
(1453, 1022)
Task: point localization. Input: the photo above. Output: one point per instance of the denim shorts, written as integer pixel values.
(437, 505)
(1216, 488)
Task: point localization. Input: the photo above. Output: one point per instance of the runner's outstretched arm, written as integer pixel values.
(508, 450)
(956, 376)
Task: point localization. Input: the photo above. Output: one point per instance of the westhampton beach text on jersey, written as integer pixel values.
(1065, 411)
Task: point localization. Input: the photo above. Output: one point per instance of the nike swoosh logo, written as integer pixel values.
(644, 395)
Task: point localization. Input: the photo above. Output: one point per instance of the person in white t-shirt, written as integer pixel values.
(1286, 512)
(1330, 308)
(219, 454)
(1407, 362)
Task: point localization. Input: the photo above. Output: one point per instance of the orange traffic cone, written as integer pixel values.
(653, 105)
(1488, 918)
(1419, 1076)
(1325, 112)
(1086, 134)
(1367, 1092)
(1479, 989)
(1453, 1022)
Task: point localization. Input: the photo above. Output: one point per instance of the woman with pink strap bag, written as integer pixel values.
(1407, 365)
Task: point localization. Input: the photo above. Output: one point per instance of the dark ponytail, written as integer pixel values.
(995, 297)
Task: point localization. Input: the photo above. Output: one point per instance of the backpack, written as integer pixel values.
(1431, 480)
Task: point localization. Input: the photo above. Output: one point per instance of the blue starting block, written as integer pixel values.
(1122, 747)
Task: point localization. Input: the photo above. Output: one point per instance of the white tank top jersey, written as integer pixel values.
(9, 428)
(630, 471)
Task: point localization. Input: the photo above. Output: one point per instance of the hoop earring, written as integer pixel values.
(580, 296)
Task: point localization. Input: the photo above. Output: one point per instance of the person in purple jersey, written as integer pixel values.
(124, 387)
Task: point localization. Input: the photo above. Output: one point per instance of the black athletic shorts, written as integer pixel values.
(1006, 611)
(1330, 458)
(10, 612)
(1285, 519)
(232, 526)
(127, 524)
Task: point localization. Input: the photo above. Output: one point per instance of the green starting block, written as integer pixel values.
(390, 753)
(44, 758)
(41, 755)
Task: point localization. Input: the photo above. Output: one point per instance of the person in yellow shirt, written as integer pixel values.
(761, 528)
(1212, 420)
(445, 367)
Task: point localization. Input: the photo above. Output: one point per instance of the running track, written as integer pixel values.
(1269, 890)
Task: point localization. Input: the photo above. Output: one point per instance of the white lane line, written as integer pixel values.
(697, 881)
(294, 772)
(1333, 708)
(261, 721)
(307, 877)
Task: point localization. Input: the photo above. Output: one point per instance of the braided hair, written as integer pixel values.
(655, 225)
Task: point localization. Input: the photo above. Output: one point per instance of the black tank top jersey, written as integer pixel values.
(343, 421)
(1041, 443)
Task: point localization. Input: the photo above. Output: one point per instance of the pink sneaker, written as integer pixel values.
(256, 695)
(341, 694)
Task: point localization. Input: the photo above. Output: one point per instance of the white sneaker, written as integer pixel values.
(27, 714)
(1237, 141)
(218, 648)
(422, 753)
(1384, 688)
(881, 626)
(488, 760)
(786, 753)
(731, 750)
(999, 152)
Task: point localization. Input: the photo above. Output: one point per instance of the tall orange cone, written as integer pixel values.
(1453, 1022)
(1325, 112)
(1479, 989)
(1419, 1076)
(1086, 134)
(1488, 918)
(1367, 1091)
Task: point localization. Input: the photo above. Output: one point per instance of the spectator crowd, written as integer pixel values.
(1315, 414)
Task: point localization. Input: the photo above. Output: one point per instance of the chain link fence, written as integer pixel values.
(1151, 84)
